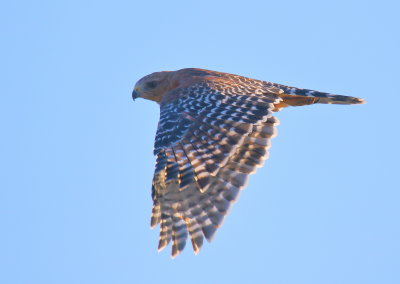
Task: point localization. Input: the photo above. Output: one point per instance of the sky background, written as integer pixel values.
(76, 152)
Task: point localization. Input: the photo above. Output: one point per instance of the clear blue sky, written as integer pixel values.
(76, 151)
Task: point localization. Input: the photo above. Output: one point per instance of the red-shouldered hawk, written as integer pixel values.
(214, 130)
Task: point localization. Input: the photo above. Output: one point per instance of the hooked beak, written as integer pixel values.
(135, 95)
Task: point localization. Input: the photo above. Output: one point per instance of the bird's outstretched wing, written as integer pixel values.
(210, 137)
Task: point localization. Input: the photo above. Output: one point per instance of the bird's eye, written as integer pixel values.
(151, 84)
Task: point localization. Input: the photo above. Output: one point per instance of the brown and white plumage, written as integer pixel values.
(214, 130)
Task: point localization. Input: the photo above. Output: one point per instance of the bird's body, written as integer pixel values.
(214, 130)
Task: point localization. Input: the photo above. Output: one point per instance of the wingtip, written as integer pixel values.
(209, 232)
(196, 247)
(161, 245)
(175, 252)
(159, 249)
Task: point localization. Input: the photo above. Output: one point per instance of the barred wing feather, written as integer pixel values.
(210, 137)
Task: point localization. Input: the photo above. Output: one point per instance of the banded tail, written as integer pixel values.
(298, 97)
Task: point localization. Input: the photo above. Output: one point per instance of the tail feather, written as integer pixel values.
(300, 97)
(340, 100)
(297, 96)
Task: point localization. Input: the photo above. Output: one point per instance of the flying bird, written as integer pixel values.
(214, 130)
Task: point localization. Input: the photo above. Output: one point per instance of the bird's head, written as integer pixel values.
(153, 86)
